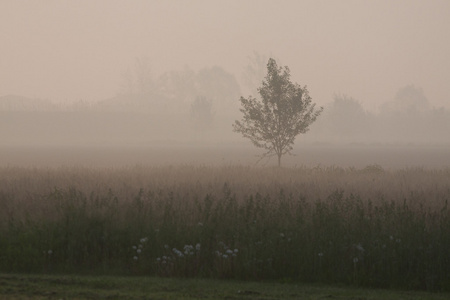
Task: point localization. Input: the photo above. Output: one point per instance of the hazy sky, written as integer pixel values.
(72, 50)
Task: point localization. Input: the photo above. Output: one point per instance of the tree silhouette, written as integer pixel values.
(284, 111)
(202, 114)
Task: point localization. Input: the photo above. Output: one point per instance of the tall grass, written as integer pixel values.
(367, 227)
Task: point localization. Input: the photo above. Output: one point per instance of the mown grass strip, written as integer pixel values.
(13, 286)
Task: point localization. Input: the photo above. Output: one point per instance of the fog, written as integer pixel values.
(158, 82)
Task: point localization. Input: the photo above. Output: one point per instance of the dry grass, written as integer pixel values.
(363, 226)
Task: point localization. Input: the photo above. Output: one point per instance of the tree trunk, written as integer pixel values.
(279, 159)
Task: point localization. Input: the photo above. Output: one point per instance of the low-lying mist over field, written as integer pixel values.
(150, 128)
(90, 80)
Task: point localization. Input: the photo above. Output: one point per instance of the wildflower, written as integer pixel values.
(225, 256)
(158, 259)
(188, 249)
(197, 247)
(134, 247)
(50, 252)
(282, 235)
(229, 252)
(144, 240)
(360, 247)
(320, 254)
(355, 260)
(178, 252)
(236, 251)
(135, 257)
(139, 251)
(166, 247)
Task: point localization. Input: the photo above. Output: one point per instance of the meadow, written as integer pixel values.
(367, 226)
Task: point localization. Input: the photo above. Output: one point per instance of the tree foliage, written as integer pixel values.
(284, 111)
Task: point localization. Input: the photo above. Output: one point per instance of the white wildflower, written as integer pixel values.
(178, 252)
(360, 247)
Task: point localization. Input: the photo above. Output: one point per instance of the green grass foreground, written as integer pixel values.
(365, 228)
(13, 287)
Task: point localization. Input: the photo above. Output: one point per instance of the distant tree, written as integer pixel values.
(217, 84)
(202, 115)
(408, 100)
(180, 86)
(347, 117)
(254, 72)
(137, 80)
(144, 81)
(284, 111)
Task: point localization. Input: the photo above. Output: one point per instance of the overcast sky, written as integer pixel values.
(72, 50)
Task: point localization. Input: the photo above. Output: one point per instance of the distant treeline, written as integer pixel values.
(164, 114)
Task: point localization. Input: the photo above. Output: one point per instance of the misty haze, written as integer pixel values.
(182, 128)
(126, 82)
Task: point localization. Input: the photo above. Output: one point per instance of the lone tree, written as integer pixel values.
(283, 112)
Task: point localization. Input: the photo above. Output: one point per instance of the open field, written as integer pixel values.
(360, 226)
(389, 156)
(13, 287)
